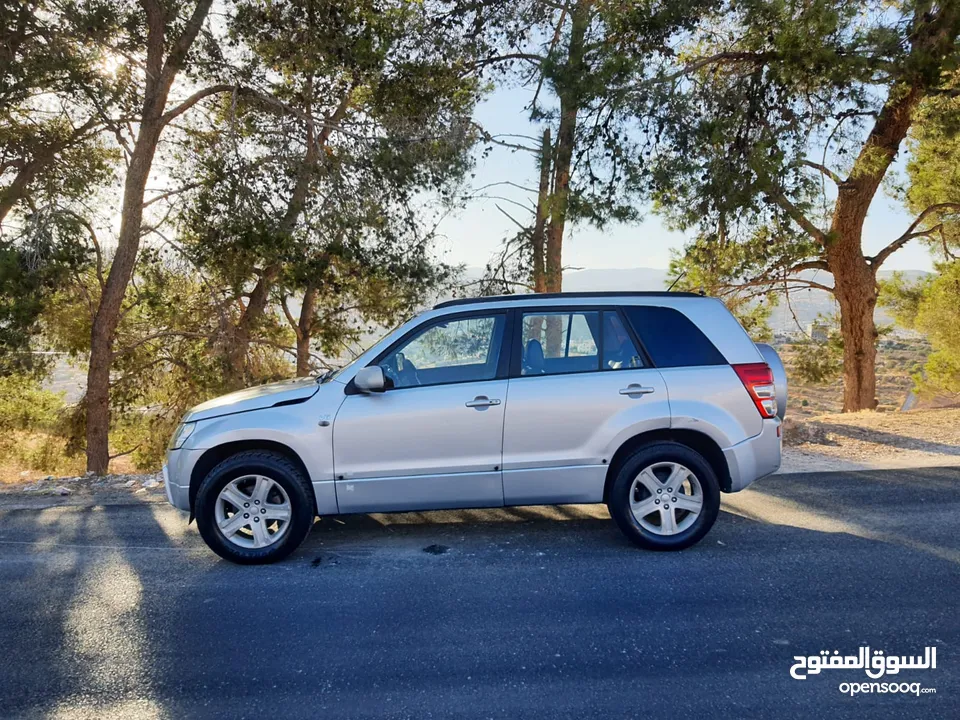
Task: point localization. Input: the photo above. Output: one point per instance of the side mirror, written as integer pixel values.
(370, 380)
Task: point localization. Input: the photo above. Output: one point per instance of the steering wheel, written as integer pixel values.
(401, 371)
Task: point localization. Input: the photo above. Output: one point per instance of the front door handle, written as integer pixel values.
(633, 389)
(482, 401)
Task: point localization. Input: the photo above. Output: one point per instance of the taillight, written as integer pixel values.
(757, 378)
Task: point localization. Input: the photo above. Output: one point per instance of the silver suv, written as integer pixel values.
(653, 403)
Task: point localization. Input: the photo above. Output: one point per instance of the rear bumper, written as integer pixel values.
(755, 457)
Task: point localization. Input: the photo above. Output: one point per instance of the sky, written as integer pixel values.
(473, 235)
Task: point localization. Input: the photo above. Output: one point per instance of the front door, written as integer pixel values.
(584, 387)
(434, 438)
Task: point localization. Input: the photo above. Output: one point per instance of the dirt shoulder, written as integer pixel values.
(872, 441)
(84, 490)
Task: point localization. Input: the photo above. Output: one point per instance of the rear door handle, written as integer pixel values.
(636, 390)
(481, 401)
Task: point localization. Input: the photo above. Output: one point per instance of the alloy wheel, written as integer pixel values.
(253, 511)
(666, 498)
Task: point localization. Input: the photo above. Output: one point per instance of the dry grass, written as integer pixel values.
(26, 457)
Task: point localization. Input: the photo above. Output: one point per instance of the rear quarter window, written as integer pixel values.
(671, 338)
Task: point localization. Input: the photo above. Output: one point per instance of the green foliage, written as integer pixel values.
(324, 172)
(903, 298)
(938, 315)
(167, 357)
(816, 363)
(701, 269)
(30, 273)
(584, 64)
(776, 122)
(25, 405)
(786, 78)
(55, 91)
(32, 422)
(932, 307)
(320, 181)
(820, 363)
(934, 168)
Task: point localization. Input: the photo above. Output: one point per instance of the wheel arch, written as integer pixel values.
(702, 443)
(215, 455)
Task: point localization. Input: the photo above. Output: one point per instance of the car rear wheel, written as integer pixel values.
(254, 507)
(665, 497)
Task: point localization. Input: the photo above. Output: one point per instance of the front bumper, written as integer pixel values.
(176, 476)
(755, 457)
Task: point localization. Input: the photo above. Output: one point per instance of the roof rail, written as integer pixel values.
(562, 296)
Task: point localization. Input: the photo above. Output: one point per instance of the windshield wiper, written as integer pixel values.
(327, 375)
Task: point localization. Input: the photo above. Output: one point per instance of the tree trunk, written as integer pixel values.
(856, 293)
(160, 75)
(854, 275)
(238, 339)
(569, 95)
(307, 310)
(543, 211)
(108, 312)
(932, 38)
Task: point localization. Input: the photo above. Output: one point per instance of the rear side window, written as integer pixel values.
(671, 338)
(559, 342)
(619, 352)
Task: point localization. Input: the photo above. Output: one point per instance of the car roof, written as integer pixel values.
(562, 296)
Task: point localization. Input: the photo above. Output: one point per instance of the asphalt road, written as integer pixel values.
(532, 612)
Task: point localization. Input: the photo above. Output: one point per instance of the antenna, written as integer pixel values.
(679, 278)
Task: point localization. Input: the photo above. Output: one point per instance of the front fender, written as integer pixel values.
(306, 429)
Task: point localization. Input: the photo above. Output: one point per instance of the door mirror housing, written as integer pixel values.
(370, 380)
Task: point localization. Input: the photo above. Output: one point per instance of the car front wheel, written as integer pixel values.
(665, 497)
(254, 507)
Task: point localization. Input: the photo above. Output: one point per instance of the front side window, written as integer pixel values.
(462, 350)
(559, 342)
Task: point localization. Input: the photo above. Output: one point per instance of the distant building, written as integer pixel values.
(818, 332)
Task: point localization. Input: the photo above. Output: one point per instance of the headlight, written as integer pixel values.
(180, 436)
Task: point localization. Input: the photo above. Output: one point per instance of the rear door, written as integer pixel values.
(579, 386)
(433, 438)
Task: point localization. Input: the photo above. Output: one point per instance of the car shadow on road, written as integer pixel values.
(917, 509)
(549, 524)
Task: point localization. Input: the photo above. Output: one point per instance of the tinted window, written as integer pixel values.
(671, 339)
(461, 350)
(559, 342)
(619, 350)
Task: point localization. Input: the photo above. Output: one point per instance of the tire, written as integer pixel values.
(654, 530)
(242, 469)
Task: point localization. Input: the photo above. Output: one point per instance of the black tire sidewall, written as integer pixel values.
(277, 468)
(618, 501)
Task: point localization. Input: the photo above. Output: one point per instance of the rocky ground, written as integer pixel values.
(868, 440)
(84, 489)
